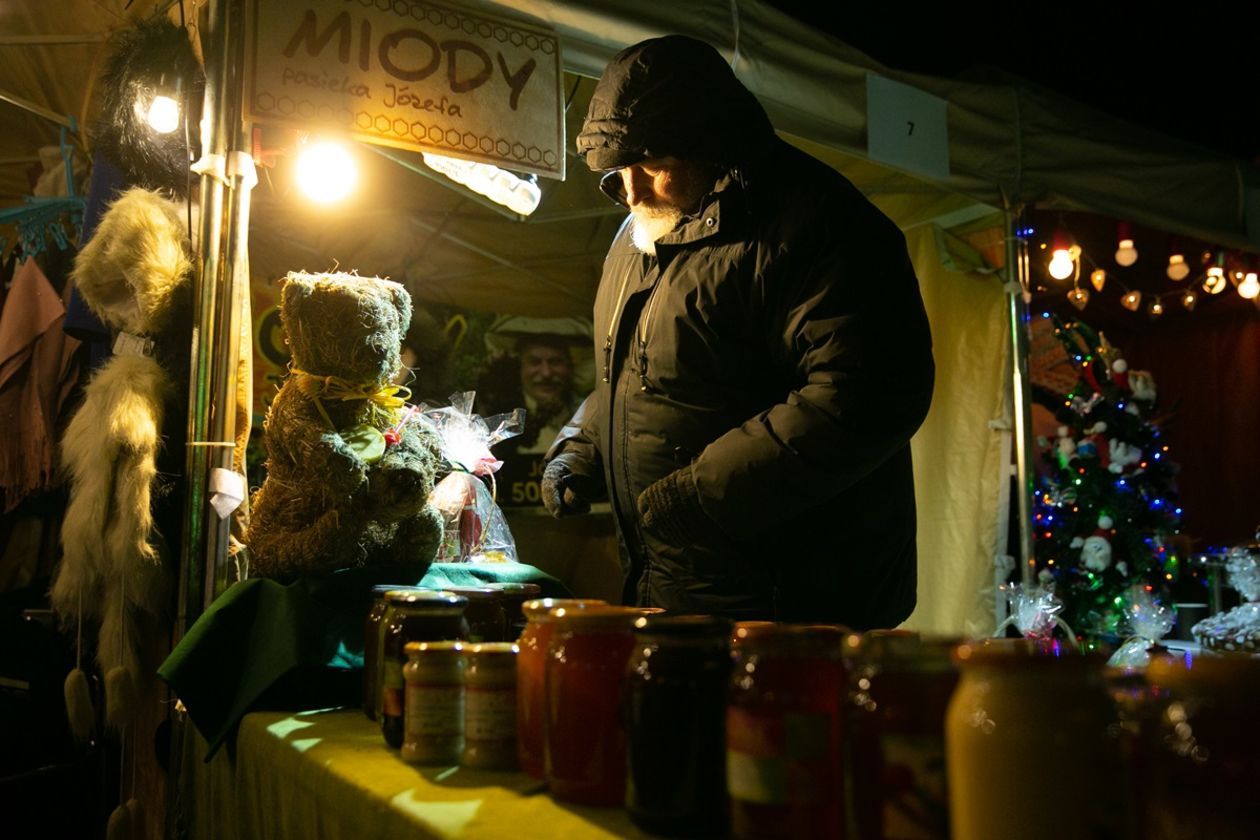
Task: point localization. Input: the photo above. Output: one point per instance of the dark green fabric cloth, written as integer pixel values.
(263, 644)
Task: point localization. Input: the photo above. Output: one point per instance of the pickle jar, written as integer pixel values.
(783, 733)
(490, 706)
(513, 597)
(1022, 716)
(899, 690)
(1201, 749)
(433, 717)
(674, 703)
(373, 638)
(531, 665)
(584, 745)
(487, 618)
(415, 616)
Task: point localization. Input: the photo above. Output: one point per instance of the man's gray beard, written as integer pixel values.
(650, 224)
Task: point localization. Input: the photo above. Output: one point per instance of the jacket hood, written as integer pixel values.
(671, 97)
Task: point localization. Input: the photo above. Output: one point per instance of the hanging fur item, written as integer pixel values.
(134, 275)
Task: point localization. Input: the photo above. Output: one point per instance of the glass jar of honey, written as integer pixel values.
(490, 706)
(433, 718)
(487, 619)
(373, 638)
(415, 616)
(674, 704)
(513, 597)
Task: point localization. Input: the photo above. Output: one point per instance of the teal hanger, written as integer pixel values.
(38, 218)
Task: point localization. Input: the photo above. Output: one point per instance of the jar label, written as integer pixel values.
(777, 759)
(392, 690)
(490, 714)
(433, 710)
(912, 787)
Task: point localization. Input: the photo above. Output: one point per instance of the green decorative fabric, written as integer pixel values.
(267, 645)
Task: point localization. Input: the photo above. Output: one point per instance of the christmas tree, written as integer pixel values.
(1105, 504)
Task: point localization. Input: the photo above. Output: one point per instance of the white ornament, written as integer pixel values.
(1122, 568)
(1096, 553)
(1143, 385)
(1106, 522)
(1122, 455)
(1119, 365)
(1077, 542)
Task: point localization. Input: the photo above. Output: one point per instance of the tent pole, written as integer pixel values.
(1017, 295)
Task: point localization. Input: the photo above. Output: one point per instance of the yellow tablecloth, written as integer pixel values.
(329, 775)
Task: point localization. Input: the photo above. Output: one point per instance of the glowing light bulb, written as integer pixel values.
(1061, 265)
(163, 116)
(1189, 299)
(326, 172)
(1126, 254)
(1131, 300)
(1156, 308)
(1214, 283)
(1099, 278)
(1078, 297)
(1177, 267)
(1249, 288)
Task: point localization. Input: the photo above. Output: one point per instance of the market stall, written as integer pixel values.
(1003, 147)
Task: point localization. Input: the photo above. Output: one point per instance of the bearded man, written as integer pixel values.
(763, 359)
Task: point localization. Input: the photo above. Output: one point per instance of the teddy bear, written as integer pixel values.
(349, 465)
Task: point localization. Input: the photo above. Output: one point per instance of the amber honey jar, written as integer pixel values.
(513, 597)
(433, 718)
(415, 616)
(373, 638)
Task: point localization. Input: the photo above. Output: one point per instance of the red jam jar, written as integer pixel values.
(584, 745)
(783, 725)
(531, 664)
(899, 690)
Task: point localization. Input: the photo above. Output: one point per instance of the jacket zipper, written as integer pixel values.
(644, 385)
(612, 326)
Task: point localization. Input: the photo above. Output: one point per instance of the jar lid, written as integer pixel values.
(434, 649)
(501, 651)
(684, 626)
(474, 593)
(804, 641)
(596, 618)
(427, 599)
(1232, 673)
(539, 609)
(517, 590)
(380, 590)
(904, 651)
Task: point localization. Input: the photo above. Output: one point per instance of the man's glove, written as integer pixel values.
(671, 509)
(566, 492)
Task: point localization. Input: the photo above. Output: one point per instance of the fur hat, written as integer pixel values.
(130, 269)
(140, 58)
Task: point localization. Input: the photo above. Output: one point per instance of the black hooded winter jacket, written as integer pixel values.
(770, 363)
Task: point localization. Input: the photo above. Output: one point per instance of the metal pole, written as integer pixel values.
(1017, 295)
(232, 301)
(208, 263)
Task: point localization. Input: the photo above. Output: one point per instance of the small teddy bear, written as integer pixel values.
(350, 466)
